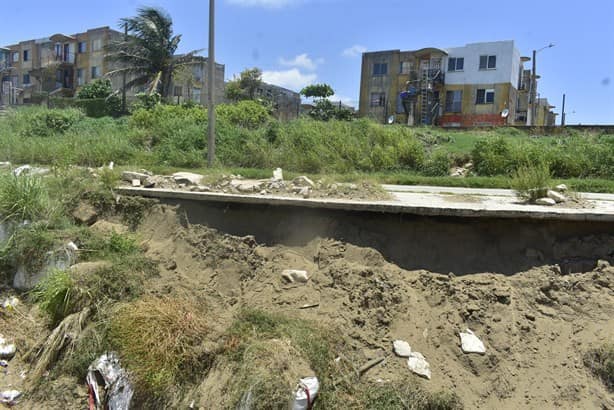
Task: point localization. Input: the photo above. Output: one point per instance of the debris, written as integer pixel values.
(545, 201)
(10, 303)
(305, 192)
(313, 305)
(418, 364)
(111, 165)
(367, 366)
(5, 164)
(303, 181)
(7, 350)
(278, 175)
(4, 363)
(561, 188)
(72, 247)
(401, 348)
(10, 397)
(24, 169)
(129, 176)
(557, 196)
(293, 275)
(307, 390)
(116, 393)
(470, 343)
(136, 182)
(187, 178)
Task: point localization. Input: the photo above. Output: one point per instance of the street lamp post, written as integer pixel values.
(533, 88)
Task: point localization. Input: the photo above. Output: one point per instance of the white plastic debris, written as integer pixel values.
(111, 165)
(278, 174)
(470, 343)
(24, 169)
(116, 391)
(10, 303)
(7, 350)
(72, 246)
(306, 393)
(401, 348)
(418, 364)
(9, 397)
(136, 182)
(293, 275)
(4, 363)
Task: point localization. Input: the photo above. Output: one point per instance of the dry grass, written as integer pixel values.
(601, 362)
(161, 342)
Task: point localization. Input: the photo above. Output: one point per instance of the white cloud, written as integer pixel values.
(292, 79)
(302, 61)
(354, 51)
(264, 3)
(352, 102)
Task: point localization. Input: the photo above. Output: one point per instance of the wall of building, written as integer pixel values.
(507, 67)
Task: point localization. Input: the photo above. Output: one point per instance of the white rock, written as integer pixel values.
(303, 181)
(557, 196)
(129, 176)
(111, 165)
(24, 169)
(278, 174)
(418, 364)
(187, 178)
(9, 397)
(5, 164)
(545, 201)
(136, 182)
(293, 275)
(401, 348)
(561, 188)
(470, 343)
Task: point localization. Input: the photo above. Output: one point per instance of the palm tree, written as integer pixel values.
(147, 54)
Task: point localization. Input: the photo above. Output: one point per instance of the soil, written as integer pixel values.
(536, 325)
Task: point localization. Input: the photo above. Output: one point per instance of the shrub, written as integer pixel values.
(57, 295)
(23, 197)
(247, 113)
(492, 156)
(437, 165)
(45, 123)
(532, 182)
(160, 342)
(600, 361)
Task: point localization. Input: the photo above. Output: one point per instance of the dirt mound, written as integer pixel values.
(536, 324)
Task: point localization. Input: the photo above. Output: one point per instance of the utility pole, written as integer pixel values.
(124, 75)
(211, 81)
(533, 88)
(563, 113)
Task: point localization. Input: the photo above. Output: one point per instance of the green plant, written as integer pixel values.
(159, 340)
(23, 197)
(532, 182)
(438, 164)
(600, 361)
(406, 395)
(57, 295)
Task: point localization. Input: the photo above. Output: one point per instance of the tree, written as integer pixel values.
(321, 91)
(147, 54)
(245, 86)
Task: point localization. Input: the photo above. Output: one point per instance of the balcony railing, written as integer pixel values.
(55, 59)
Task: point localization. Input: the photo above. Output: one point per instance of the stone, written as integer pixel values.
(246, 186)
(303, 181)
(418, 364)
(85, 213)
(5, 164)
(200, 188)
(136, 182)
(293, 275)
(305, 192)
(278, 174)
(61, 259)
(557, 196)
(106, 228)
(561, 188)
(470, 343)
(401, 348)
(187, 178)
(89, 268)
(545, 201)
(129, 176)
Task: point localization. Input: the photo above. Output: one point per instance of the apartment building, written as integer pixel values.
(479, 84)
(190, 84)
(58, 64)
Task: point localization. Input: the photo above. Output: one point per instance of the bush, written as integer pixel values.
(247, 113)
(33, 123)
(160, 342)
(532, 182)
(437, 165)
(492, 156)
(57, 295)
(600, 361)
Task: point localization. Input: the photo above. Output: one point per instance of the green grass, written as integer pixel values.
(532, 182)
(23, 198)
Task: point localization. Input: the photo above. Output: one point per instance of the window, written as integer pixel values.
(15, 56)
(378, 99)
(80, 79)
(95, 72)
(82, 47)
(26, 79)
(196, 95)
(484, 96)
(97, 45)
(405, 67)
(488, 62)
(26, 55)
(454, 101)
(380, 68)
(456, 63)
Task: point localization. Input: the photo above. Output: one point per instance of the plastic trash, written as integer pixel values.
(401, 348)
(306, 393)
(10, 303)
(470, 343)
(4, 363)
(7, 350)
(116, 391)
(418, 364)
(24, 169)
(9, 397)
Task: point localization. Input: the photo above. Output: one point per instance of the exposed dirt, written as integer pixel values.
(536, 325)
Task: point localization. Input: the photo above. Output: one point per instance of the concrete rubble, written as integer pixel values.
(418, 364)
(401, 348)
(470, 343)
(545, 201)
(293, 275)
(188, 178)
(556, 196)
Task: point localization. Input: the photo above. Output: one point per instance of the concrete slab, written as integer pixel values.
(425, 201)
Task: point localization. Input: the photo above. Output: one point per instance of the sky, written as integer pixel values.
(299, 42)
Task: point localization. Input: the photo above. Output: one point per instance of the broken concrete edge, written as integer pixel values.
(394, 207)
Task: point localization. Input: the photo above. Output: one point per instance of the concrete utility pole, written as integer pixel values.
(533, 88)
(124, 74)
(563, 112)
(211, 81)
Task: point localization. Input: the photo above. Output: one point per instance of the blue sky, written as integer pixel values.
(297, 42)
